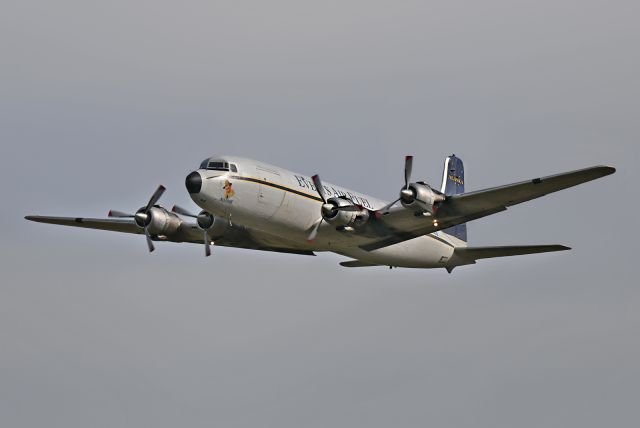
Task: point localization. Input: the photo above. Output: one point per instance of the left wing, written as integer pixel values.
(404, 224)
(232, 236)
(467, 204)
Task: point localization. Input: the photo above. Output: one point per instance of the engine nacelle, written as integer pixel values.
(215, 226)
(159, 221)
(421, 196)
(343, 218)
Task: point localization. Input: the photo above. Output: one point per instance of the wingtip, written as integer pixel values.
(30, 217)
(606, 169)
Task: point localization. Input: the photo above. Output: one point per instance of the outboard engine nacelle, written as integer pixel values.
(157, 221)
(421, 196)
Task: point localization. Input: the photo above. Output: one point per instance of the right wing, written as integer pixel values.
(232, 236)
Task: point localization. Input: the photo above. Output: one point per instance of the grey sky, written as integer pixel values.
(102, 101)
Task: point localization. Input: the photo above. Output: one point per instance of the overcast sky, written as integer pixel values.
(102, 101)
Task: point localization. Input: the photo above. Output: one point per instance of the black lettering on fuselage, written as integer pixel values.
(302, 182)
(332, 192)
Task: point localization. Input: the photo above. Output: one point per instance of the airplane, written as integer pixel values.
(253, 205)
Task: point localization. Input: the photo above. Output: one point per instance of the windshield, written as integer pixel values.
(217, 165)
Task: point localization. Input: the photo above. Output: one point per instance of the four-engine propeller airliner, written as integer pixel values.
(253, 205)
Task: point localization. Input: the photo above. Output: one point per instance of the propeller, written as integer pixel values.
(408, 166)
(328, 209)
(405, 192)
(142, 217)
(204, 220)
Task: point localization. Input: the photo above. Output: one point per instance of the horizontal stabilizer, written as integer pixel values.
(475, 253)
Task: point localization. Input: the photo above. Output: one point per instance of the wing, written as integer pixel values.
(125, 226)
(403, 224)
(233, 236)
(505, 196)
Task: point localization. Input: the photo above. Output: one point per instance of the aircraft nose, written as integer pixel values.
(193, 182)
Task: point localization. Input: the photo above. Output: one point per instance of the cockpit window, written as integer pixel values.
(217, 165)
(233, 168)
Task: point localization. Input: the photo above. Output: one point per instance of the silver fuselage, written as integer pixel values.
(285, 205)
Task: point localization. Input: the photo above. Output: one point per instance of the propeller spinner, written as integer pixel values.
(205, 222)
(142, 217)
(419, 194)
(329, 208)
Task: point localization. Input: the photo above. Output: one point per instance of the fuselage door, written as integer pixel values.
(270, 194)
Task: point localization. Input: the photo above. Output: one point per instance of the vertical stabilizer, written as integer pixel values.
(453, 184)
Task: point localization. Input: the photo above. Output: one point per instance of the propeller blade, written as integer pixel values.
(179, 210)
(119, 214)
(154, 198)
(408, 166)
(314, 232)
(386, 207)
(319, 187)
(149, 241)
(207, 244)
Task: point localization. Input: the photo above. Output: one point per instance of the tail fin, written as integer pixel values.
(453, 184)
(453, 176)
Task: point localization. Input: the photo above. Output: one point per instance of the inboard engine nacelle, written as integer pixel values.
(420, 195)
(343, 217)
